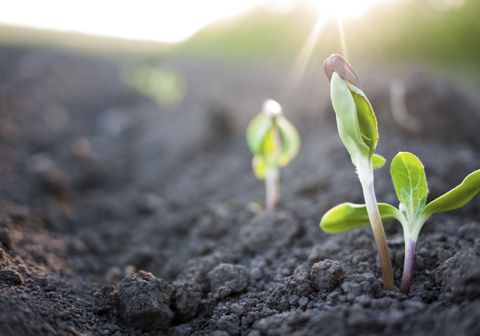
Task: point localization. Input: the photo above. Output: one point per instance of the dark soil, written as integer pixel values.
(122, 217)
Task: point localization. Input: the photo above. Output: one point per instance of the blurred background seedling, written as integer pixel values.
(163, 84)
(274, 142)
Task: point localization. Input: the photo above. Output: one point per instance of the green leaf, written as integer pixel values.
(410, 184)
(348, 216)
(356, 121)
(290, 141)
(271, 146)
(347, 119)
(456, 197)
(378, 161)
(256, 132)
(366, 117)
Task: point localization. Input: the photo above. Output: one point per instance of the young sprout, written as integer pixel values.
(274, 142)
(411, 187)
(357, 127)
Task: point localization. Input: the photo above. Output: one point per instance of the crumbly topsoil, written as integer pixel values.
(122, 217)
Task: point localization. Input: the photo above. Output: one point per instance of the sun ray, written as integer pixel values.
(343, 41)
(327, 9)
(303, 59)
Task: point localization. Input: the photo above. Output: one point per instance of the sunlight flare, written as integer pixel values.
(345, 8)
(303, 58)
(327, 9)
(163, 21)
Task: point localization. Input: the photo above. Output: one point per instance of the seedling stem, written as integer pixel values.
(408, 265)
(357, 127)
(271, 188)
(365, 174)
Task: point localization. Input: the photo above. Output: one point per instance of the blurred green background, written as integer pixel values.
(443, 34)
(401, 32)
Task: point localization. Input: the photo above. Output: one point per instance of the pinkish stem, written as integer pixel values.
(272, 190)
(408, 266)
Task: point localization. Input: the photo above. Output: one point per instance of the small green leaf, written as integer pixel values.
(256, 132)
(366, 117)
(356, 121)
(347, 119)
(378, 161)
(410, 184)
(271, 146)
(348, 216)
(456, 197)
(290, 141)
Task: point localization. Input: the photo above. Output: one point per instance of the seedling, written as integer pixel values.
(411, 187)
(274, 142)
(357, 127)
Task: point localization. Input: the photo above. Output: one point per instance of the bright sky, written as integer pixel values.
(167, 21)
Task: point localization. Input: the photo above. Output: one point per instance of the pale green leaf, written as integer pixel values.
(348, 216)
(410, 184)
(378, 161)
(256, 132)
(290, 141)
(271, 146)
(347, 119)
(456, 197)
(366, 117)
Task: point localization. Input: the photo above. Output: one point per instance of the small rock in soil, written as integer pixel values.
(196, 270)
(268, 231)
(187, 297)
(443, 254)
(325, 275)
(105, 300)
(5, 239)
(299, 282)
(10, 277)
(469, 231)
(230, 324)
(278, 299)
(144, 301)
(226, 279)
(461, 276)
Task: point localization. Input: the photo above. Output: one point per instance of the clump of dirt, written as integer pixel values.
(122, 217)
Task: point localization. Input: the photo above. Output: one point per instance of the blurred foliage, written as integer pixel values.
(391, 32)
(256, 35)
(403, 31)
(164, 84)
(416, 30)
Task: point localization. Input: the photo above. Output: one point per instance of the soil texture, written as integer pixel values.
(119, 216)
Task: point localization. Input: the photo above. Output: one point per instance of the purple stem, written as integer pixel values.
(408, 267)
(271, 197)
